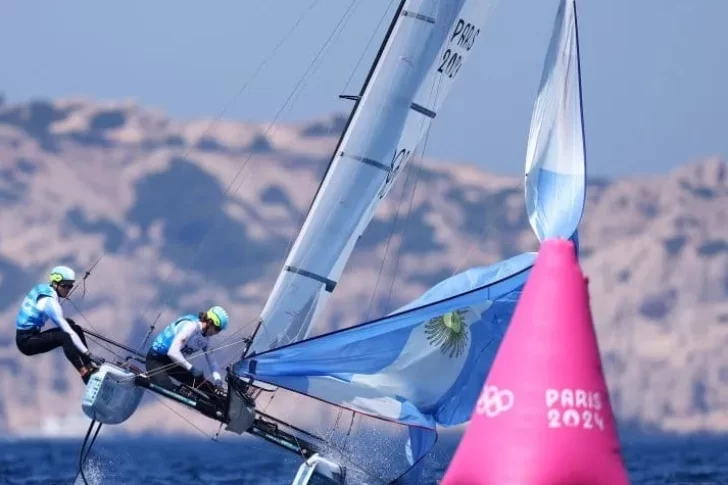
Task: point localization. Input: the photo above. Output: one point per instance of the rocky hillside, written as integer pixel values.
(184, 215)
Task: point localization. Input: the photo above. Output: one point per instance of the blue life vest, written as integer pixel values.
(164, 340)
(29, 316)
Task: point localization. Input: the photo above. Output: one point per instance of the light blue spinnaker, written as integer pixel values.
(555, 182)
(408, 367)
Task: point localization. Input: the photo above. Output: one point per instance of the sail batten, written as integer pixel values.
(418, 16)
(425, 49)
(366, 160)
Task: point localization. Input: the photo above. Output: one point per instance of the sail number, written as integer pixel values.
(451, 63)
(462, 39)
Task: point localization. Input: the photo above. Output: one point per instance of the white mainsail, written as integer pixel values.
(423, 54)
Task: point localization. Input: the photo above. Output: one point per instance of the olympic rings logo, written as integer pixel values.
(494, 401)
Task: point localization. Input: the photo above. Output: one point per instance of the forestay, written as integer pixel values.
(425, 364)
(422, 57)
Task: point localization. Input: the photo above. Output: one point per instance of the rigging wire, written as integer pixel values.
(291, 100)
(349, 13)
(398, 254)
(369, 43)
(487, 15)
(490, 9)
(272, 128)
(257, 71)
(196, 355)
(208, 436)
(337, 31)
(478, 242)
(86, 275)
(186, 420)
(412, 168)
(389, 239)
(245, 85)
(98, 342)
(307, 252)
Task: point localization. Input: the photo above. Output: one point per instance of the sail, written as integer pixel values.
(428, 43)
(421, 366)
(555, 182)
(425, 364)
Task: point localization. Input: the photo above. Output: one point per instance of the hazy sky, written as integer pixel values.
(654, 71)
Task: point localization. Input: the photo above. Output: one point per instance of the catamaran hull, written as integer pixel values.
(111, 396)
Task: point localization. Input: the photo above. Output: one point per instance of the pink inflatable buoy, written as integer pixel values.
(544, 416)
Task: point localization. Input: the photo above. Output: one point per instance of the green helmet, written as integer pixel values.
(62, 274)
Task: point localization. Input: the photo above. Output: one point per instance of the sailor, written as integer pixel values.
(42, 304)
(187, 335)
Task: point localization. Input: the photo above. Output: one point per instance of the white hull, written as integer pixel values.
(111, 396)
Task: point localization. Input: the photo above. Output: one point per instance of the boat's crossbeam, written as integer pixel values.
(239, 415)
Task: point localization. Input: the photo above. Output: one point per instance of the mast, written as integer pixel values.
(424, 49)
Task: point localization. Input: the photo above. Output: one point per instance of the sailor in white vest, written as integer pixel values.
(187, 335)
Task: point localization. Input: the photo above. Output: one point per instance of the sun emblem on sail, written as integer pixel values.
(449, 332)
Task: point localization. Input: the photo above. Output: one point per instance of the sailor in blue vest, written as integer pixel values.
(42, 304)
(180, 339)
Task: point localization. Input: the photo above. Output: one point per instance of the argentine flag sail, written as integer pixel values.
(407, 367)
(426, 48)
(425, 364)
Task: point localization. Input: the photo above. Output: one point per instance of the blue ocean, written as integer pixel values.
(186, 461)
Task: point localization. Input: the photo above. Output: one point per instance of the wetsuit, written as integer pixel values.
(40, 305)
(166, 357)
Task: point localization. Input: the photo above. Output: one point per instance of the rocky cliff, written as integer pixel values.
(183, 215)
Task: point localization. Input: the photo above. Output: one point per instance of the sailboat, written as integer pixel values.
(400, 377)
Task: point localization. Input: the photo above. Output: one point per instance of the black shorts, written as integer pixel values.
(160, 368)
(34, 342)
